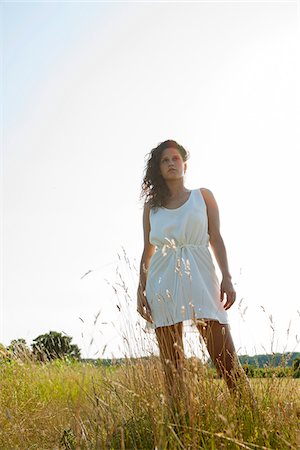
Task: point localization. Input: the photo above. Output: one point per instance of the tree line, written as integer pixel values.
(56, 345)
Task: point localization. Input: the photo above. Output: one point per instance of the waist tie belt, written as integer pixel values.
(179, 260)
(178, 247)
(191, 245)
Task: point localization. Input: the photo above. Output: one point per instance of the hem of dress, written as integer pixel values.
(189, 325)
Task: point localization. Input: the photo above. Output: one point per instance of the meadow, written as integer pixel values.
(70, 404)
(75, 405)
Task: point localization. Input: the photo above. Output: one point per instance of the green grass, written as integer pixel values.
(80, 406)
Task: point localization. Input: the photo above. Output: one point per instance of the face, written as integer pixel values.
(171, 164)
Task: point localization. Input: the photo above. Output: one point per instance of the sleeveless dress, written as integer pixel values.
(182, 285)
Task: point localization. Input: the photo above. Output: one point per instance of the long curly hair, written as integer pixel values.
(154, 188)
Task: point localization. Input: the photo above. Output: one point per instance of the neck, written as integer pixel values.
(176, 187)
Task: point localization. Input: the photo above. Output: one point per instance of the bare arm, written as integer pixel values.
(218, 247)
(149, 249)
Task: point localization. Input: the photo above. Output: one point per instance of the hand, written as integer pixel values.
(228, 289)
(143, 307)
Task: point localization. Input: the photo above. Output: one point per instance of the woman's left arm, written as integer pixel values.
(218, 247)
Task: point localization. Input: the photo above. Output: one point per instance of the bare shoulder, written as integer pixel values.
(205, 191)
(209, 199)
(207, 194)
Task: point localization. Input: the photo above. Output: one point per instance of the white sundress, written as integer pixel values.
(182, 284)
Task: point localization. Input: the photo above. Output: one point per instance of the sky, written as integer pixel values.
(88, 89)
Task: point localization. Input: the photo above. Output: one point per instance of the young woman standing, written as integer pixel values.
(178, 282)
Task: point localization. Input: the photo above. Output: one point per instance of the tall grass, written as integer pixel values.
(69, 406)
(77, 405)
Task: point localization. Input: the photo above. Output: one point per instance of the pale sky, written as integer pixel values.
(88, 89)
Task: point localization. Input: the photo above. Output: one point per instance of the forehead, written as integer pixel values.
(170, 151)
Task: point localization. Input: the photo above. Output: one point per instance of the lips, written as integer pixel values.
(172, 168)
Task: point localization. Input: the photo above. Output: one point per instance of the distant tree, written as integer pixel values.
(19, 349)
(54, 345)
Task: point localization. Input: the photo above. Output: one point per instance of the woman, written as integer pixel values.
(178, 282)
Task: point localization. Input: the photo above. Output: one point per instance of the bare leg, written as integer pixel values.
(218, 340)
(170, 344)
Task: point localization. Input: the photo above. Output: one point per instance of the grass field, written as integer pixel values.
(62, 405)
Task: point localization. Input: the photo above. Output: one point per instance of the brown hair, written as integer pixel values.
(154, 187)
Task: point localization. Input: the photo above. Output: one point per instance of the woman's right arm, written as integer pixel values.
(149, 249)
